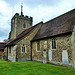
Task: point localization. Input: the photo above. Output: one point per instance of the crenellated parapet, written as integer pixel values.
(17, 15)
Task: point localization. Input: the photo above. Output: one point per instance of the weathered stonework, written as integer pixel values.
(26, 55)
(62, 43)
(10, 53)
(73, 45)
(17, 25)
(5, 54)
(37, 55)
(18, 54)
(57, 40)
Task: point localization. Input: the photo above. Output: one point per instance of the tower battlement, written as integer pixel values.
(17, 15)
(19, 23)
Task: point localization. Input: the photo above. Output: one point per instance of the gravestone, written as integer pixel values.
(44, 57)
(50, 55)
(14, 53)
(64, 56)
(14, 60)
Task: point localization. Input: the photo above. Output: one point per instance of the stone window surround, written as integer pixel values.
(23, 45)
(27, 25)
(36, 47)
(51, 44)
(24, 25)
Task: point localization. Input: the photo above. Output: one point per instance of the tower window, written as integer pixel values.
(53, 44)
(24, 25)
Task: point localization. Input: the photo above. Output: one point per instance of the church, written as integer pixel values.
(50, 42)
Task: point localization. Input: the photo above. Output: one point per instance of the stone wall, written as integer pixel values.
(5, 54)
(17, 25)
(22, 56)
(37, 55)
(73, 45)
(63, 44)
(12, 53)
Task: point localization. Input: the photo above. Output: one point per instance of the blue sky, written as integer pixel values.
(38, 9)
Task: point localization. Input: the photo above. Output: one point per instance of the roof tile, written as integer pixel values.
(23, 34)
(59, 25)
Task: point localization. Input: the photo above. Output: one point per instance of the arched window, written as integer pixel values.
(24, 25)
(53, 44)
(23, 48)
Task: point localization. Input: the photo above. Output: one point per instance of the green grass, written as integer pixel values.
(33, 68)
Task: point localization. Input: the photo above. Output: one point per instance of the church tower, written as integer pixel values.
(19, 23)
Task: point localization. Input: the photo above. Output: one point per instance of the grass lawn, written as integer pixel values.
(33, 68)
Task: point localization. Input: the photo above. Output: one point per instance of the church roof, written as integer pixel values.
(2, 44)
(23, 34)
(57, 26)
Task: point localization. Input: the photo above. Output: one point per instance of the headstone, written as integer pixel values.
(44, 57)
(64, 56)
(14, 60)
(50, 55)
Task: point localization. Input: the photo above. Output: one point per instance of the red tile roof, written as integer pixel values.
(57, 26)
(23, 34)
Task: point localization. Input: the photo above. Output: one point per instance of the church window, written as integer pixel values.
(23, 48)
(24, 25)
(38, 45)
(53, 44)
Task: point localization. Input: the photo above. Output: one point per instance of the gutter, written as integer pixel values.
(51, 36)
(23, 36)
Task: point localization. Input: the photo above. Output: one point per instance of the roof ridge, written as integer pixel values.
(37, 32)
(30, 27)
(57, 26)
(23, 34)
(60, 15)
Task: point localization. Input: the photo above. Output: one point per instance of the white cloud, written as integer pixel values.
(39, 11)
(49, 12)
(4, 20)
(33, 3)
